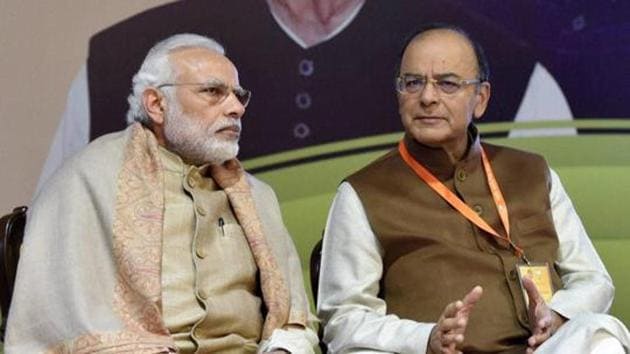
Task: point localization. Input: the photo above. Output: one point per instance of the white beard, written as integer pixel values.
(195, 142)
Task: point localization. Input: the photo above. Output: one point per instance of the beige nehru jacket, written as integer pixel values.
(210, 294)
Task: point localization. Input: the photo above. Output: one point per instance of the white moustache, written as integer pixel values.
(227, 124)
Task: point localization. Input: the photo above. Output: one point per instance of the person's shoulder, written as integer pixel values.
(259, 187)
(265, 198)
(102, 147)
(101, 154)
(97, 162)
(503, 149)
(384, 161)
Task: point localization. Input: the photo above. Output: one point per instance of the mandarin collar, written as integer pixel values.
(172, 162)
(437, 161)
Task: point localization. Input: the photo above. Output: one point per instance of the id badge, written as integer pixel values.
(540, 274)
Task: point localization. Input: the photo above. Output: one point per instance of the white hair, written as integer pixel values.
(156, 69)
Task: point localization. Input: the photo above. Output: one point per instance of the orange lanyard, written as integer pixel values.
(462, 207)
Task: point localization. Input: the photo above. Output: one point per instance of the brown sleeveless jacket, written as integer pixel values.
(433, 255)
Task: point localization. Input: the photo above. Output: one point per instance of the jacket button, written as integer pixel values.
(461, 175)
(478, 209)
(201, 252)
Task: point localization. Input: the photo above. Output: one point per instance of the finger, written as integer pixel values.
(450, 349)
(538, 339)
(531, 342)
(457, 324)
(452, 339)
(470, 300)
(532, 291)
(545, 322)
(451, 310)
(473, 296)
(543, 336)
(541, 327)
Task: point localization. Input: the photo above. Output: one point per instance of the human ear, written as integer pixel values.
(154, 105)
(483, 97)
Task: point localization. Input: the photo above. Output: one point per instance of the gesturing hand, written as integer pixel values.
(448, 334)
(543, 321)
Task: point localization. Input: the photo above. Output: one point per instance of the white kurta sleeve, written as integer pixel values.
(354, 316)
(587, 285)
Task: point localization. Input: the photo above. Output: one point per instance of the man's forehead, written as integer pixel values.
(203, 62)
(443, 50)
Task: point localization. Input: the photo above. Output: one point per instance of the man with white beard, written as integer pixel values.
(154, 239)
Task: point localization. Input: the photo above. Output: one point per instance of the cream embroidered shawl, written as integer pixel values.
(89, 277)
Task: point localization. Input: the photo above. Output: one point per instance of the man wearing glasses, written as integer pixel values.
(447, 244)
(154, 239)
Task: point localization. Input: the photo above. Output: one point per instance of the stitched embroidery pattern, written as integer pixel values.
(115, 342)
(137, 233)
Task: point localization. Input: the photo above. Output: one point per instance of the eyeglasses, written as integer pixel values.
(216, 91)
(412, 83)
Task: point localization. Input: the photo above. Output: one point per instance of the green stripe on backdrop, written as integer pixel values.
(489, 128)
(595, 169)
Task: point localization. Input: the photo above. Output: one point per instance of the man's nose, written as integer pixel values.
(429, 94)
(235, 109)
